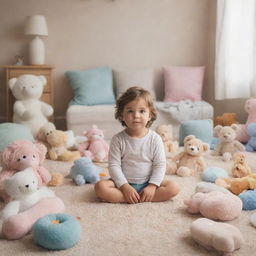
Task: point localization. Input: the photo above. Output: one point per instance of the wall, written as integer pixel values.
(120, 33)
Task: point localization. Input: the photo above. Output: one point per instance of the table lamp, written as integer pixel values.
(36, 25)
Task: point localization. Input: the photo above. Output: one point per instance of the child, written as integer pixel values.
(137, 161)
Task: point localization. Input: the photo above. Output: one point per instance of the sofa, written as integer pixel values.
(95, 92)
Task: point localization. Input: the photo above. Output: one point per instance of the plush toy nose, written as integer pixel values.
(27, 185)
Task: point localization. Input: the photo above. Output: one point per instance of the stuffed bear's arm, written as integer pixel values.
(44, 175)
(10, 209)
(52, 154)
(217, 151)
(201, 163)
(239, 145)
(22, 112)
(46, 109)
(179, 156)
(3, 176)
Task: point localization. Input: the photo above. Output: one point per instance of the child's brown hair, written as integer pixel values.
(131, 94)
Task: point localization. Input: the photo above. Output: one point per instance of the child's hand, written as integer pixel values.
(130, 194)
(147, 194)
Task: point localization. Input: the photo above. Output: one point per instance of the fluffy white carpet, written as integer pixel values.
(141, 229)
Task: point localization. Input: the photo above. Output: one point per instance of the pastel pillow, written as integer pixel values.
(124, 79)
(201, 129)
(181, 83)
(10, 132)
(92, 86)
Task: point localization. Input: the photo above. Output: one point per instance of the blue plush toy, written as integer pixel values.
(251, 144)
(84, 171)
(210, 174)
(248, 198)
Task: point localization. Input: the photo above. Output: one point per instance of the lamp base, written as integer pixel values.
(36, 51)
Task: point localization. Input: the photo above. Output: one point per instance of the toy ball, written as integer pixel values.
(249, 199)
(56, 231)
(210, 174)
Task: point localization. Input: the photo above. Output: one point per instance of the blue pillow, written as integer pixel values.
(201, 129)
(92, 86)
(10, 132)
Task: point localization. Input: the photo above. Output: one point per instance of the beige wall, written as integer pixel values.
(120, 33)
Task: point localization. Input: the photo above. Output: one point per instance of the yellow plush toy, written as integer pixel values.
(165, 131)
(58, 151)
(227, 119)
(240, 168)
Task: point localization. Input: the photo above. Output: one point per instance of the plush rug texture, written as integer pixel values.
(141, 229)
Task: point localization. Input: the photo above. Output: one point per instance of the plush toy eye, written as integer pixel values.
(24, 157)
(34, 156)
(33, 181)
(18, 160)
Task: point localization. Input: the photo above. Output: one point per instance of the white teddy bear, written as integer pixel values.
(23, 189)
(28, 109)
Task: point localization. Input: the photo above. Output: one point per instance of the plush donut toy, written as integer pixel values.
(56, 231)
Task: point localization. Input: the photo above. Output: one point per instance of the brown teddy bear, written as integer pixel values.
(227, 119)
(170, 146)
(190, 160)
(240, 168)
(228, 144)
(58, 151)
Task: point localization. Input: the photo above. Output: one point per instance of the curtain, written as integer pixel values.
(235, 69)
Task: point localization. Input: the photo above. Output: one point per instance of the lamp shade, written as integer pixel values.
(36, 25)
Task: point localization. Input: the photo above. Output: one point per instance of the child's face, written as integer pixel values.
(136, 114)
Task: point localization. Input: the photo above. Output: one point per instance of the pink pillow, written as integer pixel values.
(183, 83)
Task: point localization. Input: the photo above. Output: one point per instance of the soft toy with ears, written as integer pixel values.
(228, 144)
(58, 151)
(251, 131)
(240, 168)
(165, 131)
(250, 108)
(19, 155)
(28, 109)
(97, 147)
(190, 160)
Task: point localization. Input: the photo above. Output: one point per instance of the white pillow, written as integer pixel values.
(124, 79)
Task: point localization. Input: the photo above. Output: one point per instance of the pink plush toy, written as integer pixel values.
(215, 205)
(19, 155)
(97, 148)
(250, 108)
(17, 226)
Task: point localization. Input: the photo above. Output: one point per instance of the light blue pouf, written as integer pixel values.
(64, 234)
(210, 174)
(249, 199)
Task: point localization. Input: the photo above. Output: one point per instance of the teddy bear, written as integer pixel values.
(250, 108)
(23, 188)
(215, 205)
(222, 237)
(84, 171)
(96, 147)
(19, 155)
(170, 146)
(28, 109)
(190, 160)
(226, 119)
(251, 131)
(228, 145)
(240, 167)
(58, 151)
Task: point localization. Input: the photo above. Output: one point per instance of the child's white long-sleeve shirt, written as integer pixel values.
(137, 160)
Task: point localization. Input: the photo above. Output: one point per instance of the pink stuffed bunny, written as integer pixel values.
(97, 148)
(250, 108)
(19, 155)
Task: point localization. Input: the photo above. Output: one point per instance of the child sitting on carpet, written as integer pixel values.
(137, 161)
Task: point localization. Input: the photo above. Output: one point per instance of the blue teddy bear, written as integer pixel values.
(84, 171)
(251, 131)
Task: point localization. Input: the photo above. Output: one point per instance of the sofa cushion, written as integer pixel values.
(181, 83)
(92, 86)
(124, 79)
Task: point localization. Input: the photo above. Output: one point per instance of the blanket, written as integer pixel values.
(185, 110)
